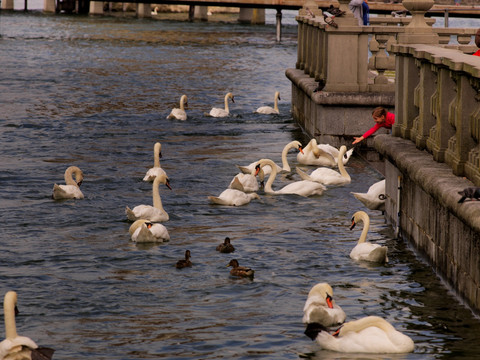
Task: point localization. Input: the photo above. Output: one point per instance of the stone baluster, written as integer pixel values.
(321, 53)
(418, 31)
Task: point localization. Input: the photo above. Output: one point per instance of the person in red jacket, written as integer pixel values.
(382, 118)
(477, 42)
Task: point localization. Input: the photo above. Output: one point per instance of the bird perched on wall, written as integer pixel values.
(472, 193)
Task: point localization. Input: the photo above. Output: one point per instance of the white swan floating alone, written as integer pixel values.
(218, 112)
(233, 197)
(72, 188)
(371, 334)
(15, 346)
(321, 308)
(144, 231)
(302, 188)
(156, 170)
(155, 213)
(268, 109)
(374, 198)
(179, 113)
(285, 165)
(365, 250)
(327, 176)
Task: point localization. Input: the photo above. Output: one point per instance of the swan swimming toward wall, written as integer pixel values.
(365, 250)
(312, 155)
(302, 188)
(233, 197)
(268, 109)
(285, 165)
(327, 176)
(15, 346)
(247, 182)
(152, 173)
(154, 213)
(179, 113)
(144, 231)
(321, 308)
(371, 334)
(71, 189)
(374, 198)
(218, 112)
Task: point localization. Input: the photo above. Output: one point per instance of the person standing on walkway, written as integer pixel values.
(356, 7)
(382, 118)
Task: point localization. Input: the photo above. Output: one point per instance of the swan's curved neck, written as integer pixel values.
(69, 175)
(341, 167)
(226, 103)
(275, 104)
(156, 155)
(268, 186)
(157, 201)
(285, 164)
(182, 103)
(9, 314)
(366, 225)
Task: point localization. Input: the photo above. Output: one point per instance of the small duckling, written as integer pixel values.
(226, 247)
(184, 263)
(240, 271)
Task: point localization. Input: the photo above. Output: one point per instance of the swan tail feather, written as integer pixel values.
(130, 214)
(303, 175)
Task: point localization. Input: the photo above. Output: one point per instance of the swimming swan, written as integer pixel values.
(302, 188)
(332, 150)
(313, 155)
(233, 197)
(321, 308)
(145, 231)
(327, 176)
(72, 188)
(268, 109)
(14, 346)
(179, 114)
(365, 250)
(217, 112)
(247, 182)
(374, 199)
(285, 165)
(152, 173)
(371, 334)
(154, 213)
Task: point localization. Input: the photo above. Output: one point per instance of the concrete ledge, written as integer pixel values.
(436, 179)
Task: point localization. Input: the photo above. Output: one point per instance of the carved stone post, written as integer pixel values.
(418, 31)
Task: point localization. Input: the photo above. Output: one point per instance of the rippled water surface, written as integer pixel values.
(95, 92)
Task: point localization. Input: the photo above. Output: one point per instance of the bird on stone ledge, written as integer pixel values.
(472, 193)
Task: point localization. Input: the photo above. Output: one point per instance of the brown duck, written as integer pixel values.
(226, 247)
(240, 271)
(184, 262)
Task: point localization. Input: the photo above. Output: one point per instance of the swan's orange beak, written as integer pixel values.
(353, 224)
(257, 170)
(329, 301)
(300, 149)
(167, 184)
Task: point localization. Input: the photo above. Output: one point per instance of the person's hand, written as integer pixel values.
(357, 140)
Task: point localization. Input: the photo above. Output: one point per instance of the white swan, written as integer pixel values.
(312, 155)
(247, 182)
(15, 346)
(374, 199)
(144, 231)
(155, 11)
(302, 188)
(217, 112)
(365, 250)
(371, 334)
(268, 109)
(157, 170)
(285, 165)
(72, 188)
(321, 308)
(233, 197)
(327, 176)
(179, 114)
(332, 150)
(154, 213)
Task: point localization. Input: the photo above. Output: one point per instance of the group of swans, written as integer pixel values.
(180, 113)
(15, 346)
(371, 334)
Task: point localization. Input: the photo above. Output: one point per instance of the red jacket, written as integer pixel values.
(477, 53)
(389, 121)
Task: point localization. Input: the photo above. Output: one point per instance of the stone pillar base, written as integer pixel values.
(49, 6)
(7, 4)
(96, 8)
(144, 10)
(251, 16)
(201, 13)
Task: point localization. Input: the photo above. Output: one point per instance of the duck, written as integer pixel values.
(302, 188)
(15, 346)
(183, 263)
(179, 114)
(247, 182)
(374, 198)
(155, 213)
(268, 109)
(217, 112)
(285, 165)
(365, 250)
(156, 170)
(321, 308)
(328, 176)
(240, 271)
(371, 334)
(233, 197)
(144, 231)
(71, 189)
(225, 247)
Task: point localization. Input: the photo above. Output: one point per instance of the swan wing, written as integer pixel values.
(217, 112)
(369, 252)
(178, 114)
(67, 192)
(157, 233)
(303, 188)
(146, 212)
(244, 182)
(266, 110)
(16, 346)
(152, 173)
(232, 197)
(309, 158)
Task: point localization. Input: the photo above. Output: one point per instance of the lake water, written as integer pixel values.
(95, 93)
